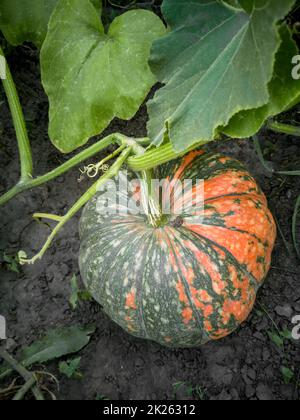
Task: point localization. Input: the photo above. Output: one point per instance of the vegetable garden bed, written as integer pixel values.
(114, 365)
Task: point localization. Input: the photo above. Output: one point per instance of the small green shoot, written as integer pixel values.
(276, 339)
(189, 390)
(77, 295)
(287, 374)
(71, 368)
(101, 398)
(11, 263)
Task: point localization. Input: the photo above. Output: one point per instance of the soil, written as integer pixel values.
(246, 365)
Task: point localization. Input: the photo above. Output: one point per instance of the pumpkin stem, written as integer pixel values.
(149, 199)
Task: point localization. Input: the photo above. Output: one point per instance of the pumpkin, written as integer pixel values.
(183, 283)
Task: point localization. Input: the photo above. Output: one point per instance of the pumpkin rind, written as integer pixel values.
(182, 285)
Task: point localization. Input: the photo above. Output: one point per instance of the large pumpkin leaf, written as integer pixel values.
(91, 76)
(215, 62)
(284, 92)
(27, 20)
(56, 343)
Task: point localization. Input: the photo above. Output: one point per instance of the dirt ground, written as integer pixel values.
(246, 365)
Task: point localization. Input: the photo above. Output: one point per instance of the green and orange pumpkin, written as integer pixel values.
(182, 284)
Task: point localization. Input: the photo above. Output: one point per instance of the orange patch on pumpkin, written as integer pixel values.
(210, 267)
(208, 327)
(130, 300)
(187, 315)
(230, 183)
(187, 160)
(204, 296)
(190, 276)
(217, 335)
(244, 247)
(181, 292)
(238, 309)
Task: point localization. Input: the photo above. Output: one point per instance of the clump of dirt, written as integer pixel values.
(246, 365)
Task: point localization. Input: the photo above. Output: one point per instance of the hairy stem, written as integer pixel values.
(283, 128)
(19, 124)
(156, 157)
(111, 173)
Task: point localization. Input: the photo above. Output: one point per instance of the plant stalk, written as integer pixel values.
(19, 124)
(22, 371)
(283, 128)
(156, 157)
(111, 173)
(141, 161)
(30, 183)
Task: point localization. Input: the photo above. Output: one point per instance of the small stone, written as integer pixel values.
(264, 393)
(284, 310)
(221, 375)
(250, 391)
(287, 391)
(251, 374)
(10, 344)
(297, 307)
(259, 336)
(266, 355)
(234, 394)
(224, 396)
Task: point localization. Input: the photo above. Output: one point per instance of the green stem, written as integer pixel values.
(294, 226)
(22, 371)
(92, 170)
(283, 128)
(52, 217)
(156, 157)
(75, 161)
(111, 173)
(25, 388)
(19, 124)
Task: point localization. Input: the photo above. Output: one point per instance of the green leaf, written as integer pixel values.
(277, 340)
(12, 263)
(287, 374)
(247, 5)
(56, 343)
(77, 294)
(233, 3)
(70, 368)
(27, 20)
(284, 92)
(215, 62)
(287, 334)
(74, 293)
(91, 76)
